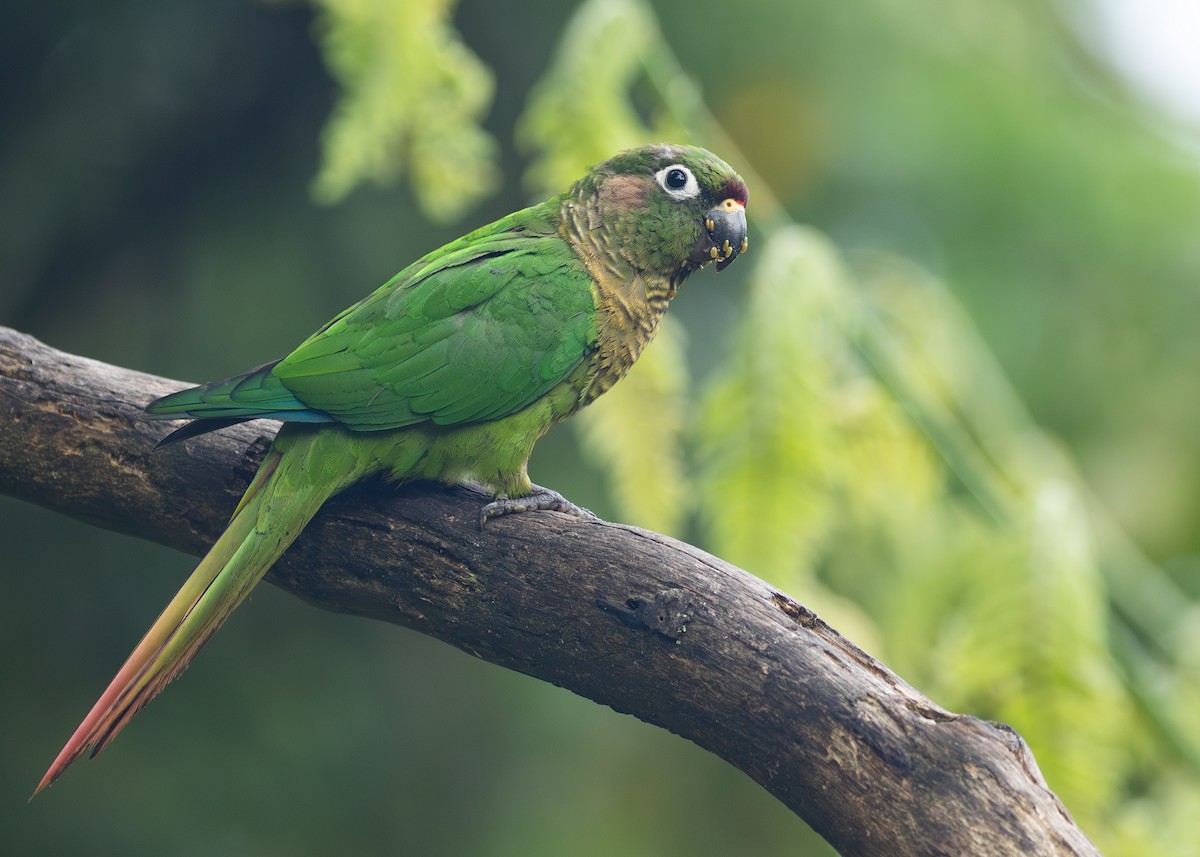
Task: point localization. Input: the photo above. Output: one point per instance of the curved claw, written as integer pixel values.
(539, 500)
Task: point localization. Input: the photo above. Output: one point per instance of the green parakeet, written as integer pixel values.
(451, 371)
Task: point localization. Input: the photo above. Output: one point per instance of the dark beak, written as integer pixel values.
(725, 227)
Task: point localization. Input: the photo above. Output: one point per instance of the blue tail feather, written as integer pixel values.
(257, 394)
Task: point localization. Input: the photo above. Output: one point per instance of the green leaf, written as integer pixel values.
(582, 110)
(412, 97)
(1026, 643)
(766, 431)
(995, 602)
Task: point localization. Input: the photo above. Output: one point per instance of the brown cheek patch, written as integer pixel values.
(624, 192)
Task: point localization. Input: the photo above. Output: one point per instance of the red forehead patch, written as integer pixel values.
(735, 188)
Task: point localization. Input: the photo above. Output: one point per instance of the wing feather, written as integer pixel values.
(476, 331)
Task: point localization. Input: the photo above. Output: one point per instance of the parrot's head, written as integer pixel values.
(671, 210)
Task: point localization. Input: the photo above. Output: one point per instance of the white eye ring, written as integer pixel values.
(669, 180)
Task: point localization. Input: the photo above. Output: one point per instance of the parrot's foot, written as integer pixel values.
(539, 500)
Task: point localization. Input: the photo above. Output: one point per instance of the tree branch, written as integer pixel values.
(626, 617)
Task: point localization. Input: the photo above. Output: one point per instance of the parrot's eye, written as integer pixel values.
(678, 181)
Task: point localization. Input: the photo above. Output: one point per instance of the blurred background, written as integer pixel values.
(949, 399)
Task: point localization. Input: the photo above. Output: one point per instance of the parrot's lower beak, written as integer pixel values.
(724, 236)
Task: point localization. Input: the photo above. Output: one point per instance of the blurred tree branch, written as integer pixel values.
(626, 617)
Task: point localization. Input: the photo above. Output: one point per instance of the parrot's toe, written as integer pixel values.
(539, 500)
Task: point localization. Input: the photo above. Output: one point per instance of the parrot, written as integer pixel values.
(450, 371)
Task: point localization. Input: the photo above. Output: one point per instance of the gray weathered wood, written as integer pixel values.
(632, 619)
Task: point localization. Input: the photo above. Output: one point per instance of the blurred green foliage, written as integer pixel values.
(412, 93)
(943, 412)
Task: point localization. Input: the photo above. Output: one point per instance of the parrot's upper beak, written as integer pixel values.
(725, 234)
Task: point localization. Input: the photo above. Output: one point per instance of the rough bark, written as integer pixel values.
(635, 620)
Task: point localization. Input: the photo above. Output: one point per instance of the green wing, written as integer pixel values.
(475, 331)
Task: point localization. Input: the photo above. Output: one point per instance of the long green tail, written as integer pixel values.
(283, 497)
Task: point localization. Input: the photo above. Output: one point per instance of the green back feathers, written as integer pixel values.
(473, 333)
